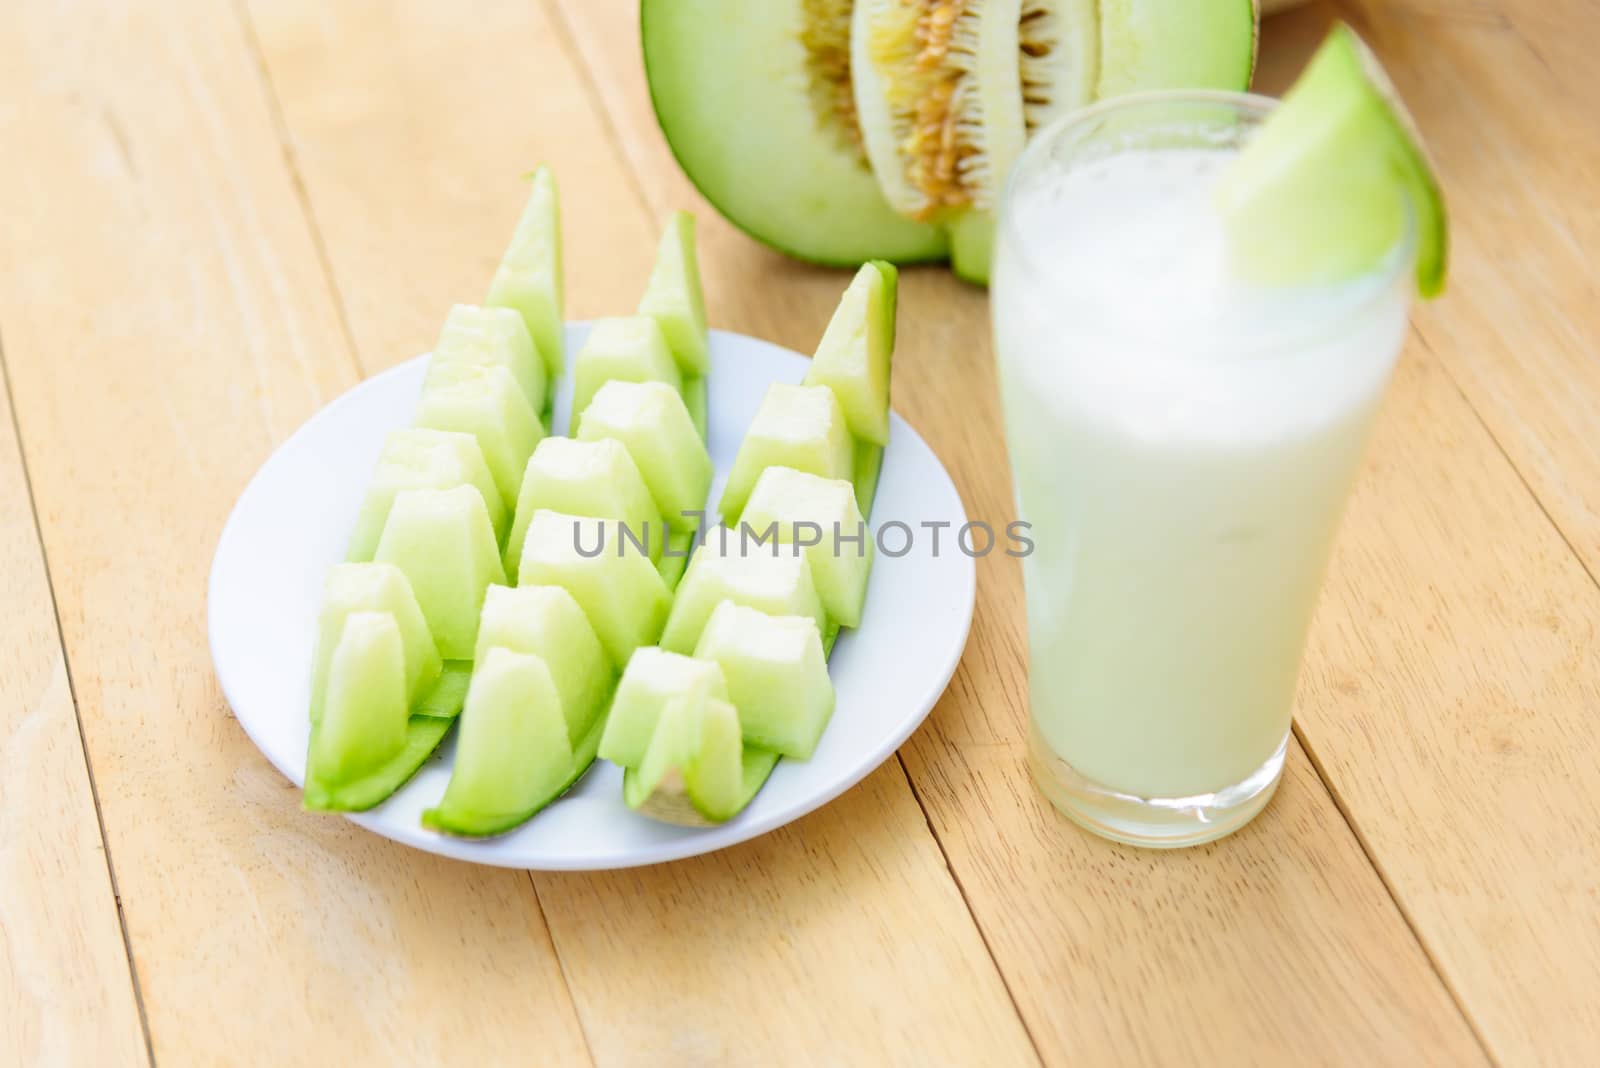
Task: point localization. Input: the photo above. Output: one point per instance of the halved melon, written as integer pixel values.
(777, 676)
(442, 541)
(487, 403)
(619, 590)
(591, 478)
(652, 423)
(755, 101)
(796, 426)
(420, 458)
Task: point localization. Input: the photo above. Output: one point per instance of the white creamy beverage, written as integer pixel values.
(1183, 445)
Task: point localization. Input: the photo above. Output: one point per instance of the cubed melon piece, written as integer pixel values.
(365, 707)
(381, 588)
(546, 622)
(652, 678)
(629, 349)
(493, 337)
(652, 422)
(618, 588)
(487, 403)
(443, 542)
(591, 478)
(673, 298)
(417, 458)
(837, 542)
(796, 426)
(512, 750)
(529, 277)
(777, 676)
(693, 768)
(728, 567)
(853, 357)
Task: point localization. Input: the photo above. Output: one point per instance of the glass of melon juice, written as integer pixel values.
(1183, 442)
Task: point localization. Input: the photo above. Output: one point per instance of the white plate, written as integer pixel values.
(292, 522)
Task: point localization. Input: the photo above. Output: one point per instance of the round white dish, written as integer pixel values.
(294, 518)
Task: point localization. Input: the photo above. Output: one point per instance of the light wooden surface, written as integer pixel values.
(218, 217)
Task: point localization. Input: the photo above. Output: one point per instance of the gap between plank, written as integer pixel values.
(291, 164)
(9, 396)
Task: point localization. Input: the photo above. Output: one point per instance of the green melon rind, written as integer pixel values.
(423, 735)
(766, 162)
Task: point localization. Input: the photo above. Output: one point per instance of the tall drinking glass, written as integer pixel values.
(1183, 445)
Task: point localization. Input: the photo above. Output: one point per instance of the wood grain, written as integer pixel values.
(66, 993)
(841, 938)
(1281, 943)
(166, 321)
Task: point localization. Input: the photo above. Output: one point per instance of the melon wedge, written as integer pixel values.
(419, 458)
(487, 403)
(630, 349)
(619, 590)
(652, 678)
(373, 588)
(444, 544)
(590, 478)
(796, 426)
(818, 516)
(529, 277)
(494, 337)
(365, 707)
(854, 355)
(652, 423)
(777, 676)
(673, 298)
(513, 755)
(775, 580)
(546, 622)
(696, 771)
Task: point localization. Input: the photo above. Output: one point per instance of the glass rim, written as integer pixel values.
(1397, 262)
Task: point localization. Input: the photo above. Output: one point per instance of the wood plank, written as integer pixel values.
(66, 992)
(842, 936)
(1281, 943)
(167, 321)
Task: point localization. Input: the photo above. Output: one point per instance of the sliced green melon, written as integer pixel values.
(443, 542)
(1321, 192)
(513, 755)
(652, 678)
(627, 349)
(796, 426)
(381, 588)
(777, 676)
(590, 478)
(755, 102)
(423, 735)
(494, 337)
(731, 568)
(487, 403)
(1175, 44)
(696, 772)
(673, 298)
(546, 622)
(652, 423)
(419, 458)
(853, 357)
(529, 278)
(619, 590)
(839, 545)
(365, 707)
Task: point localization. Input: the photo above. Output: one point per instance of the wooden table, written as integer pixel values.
(215, 217)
